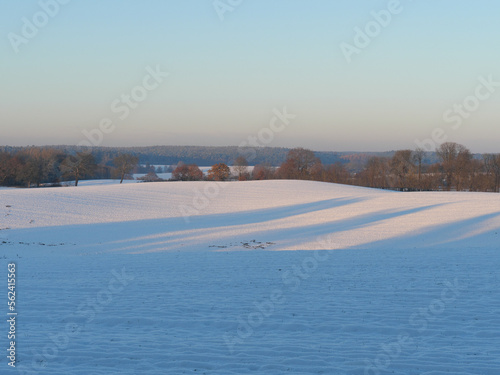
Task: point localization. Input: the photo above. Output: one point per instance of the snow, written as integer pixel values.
(97, 182)
(265, 277)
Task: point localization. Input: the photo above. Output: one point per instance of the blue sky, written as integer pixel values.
(227, 76)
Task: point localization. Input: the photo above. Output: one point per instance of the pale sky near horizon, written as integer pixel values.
(227, 76)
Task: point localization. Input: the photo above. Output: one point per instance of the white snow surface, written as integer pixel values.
(261, 277)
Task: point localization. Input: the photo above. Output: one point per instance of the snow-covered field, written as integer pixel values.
(200, 278)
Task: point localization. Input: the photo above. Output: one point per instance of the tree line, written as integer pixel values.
(36, 166)
(455, 168)
(204, 155)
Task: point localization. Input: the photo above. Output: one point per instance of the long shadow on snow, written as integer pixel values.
(131, 232)
(294, 235)
(460, 233)
(283, 237)
(205, 224)
(269, 214)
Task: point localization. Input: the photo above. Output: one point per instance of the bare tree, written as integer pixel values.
(298, 164)
(5, 172)
(449, 152)
(78, 166)
(32, 169)
(262, 172)
(492, 166)
(476, 179)
(401, 166)
(465, 169)
(418, 157)
(241, 168)
(375, 173)
(124, 163)
(336, 173)
(10, 165)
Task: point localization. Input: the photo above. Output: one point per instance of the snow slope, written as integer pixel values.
(198, 277)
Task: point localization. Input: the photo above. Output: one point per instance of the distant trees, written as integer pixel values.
(124, 164)
(454, 160)
(11, 170)
(418, 157)
(241, 168)
(451, 167)
(302, 164)
(31, 166)
(477, 178)
(336, 173)
(466, 169)
(492, 169)
(376, 173)
(5, 170)
(185, 172)
(262, 172)
(78, 166)
(219, 172)
(447, 152)
(151, 176)
(144, 168)
(299, 164)
(401, 166)
(181, 172)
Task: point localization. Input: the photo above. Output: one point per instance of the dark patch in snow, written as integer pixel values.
(34, 243)
(253, 244)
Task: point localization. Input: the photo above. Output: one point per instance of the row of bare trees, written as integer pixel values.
(37, 166)
(458, 169)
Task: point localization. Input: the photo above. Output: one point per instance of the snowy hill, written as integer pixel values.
(195, 277)
(291, 214)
